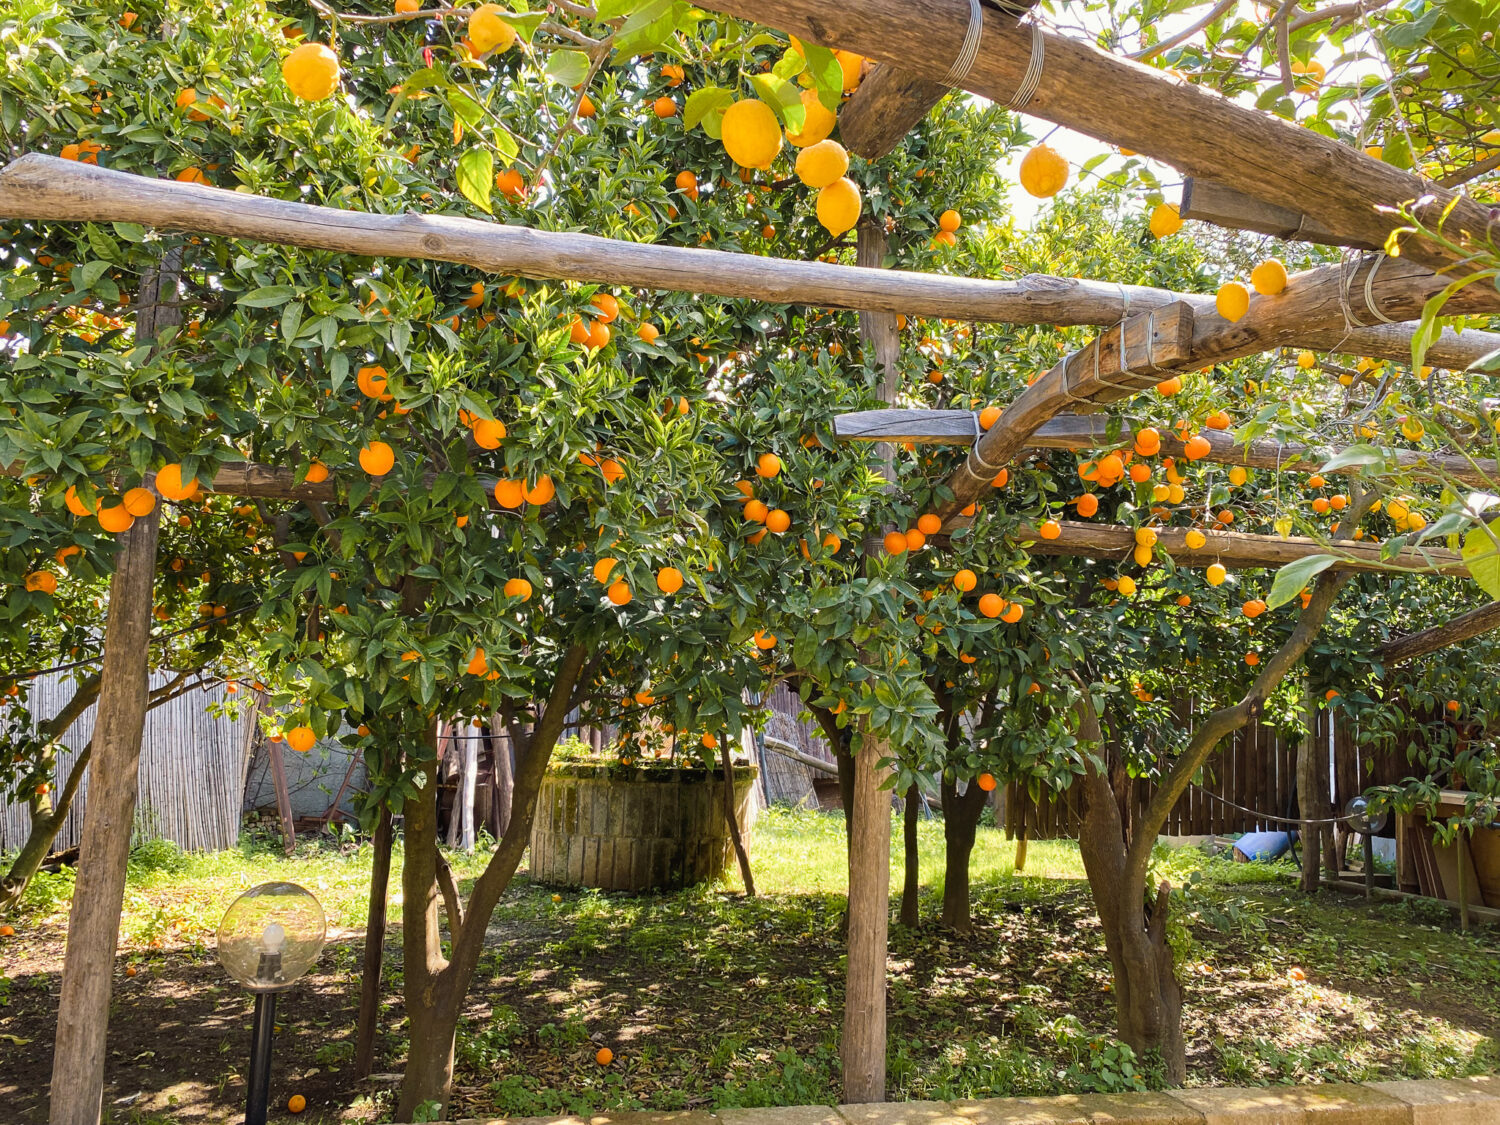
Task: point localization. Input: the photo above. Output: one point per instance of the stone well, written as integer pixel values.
(620, 828)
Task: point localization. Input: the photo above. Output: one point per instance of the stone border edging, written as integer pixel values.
(1434, 1101)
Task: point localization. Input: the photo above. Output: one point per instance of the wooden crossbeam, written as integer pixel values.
(1075, 432)
(1475, 623)
(1120, 361)
(1224, 206)
(1194, 129)
(885, 107)
(890, 101)
(41, 187)
(1236, 550)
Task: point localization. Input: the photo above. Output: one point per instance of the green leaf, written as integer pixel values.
(476, 177)
(701, 104)
(827, 75)
(783, 97)
(1354, 455)
(568, 67)
(131, 232)
(1291, 578)
(466, 109)
(1482, 558)
(267, 296)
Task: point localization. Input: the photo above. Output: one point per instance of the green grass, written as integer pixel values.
(710, 1000)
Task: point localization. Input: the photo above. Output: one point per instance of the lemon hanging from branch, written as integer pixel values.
(1044, 172)
(838, 206)
(488, 31)
(311, 72)
(751, 133)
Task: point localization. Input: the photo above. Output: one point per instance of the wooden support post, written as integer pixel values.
(283, 796)
(94, 918)
(1075, 432)
(887, 104)
(1463, 880)
(864, 1034)
(1225, 207)
(1308, 790)
(374, 954)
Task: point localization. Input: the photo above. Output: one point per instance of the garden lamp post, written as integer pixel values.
(270, 936)
(1357, 811)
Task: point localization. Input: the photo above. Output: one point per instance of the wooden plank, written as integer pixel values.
(1076, 432)
(1485, 619)
(1224, 206)
(283, 797)
(1123, 103)
(1234, 549)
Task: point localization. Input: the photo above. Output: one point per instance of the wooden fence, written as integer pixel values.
(191, 775)
(1254, 769)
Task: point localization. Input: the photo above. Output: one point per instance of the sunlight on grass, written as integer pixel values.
(796, 852)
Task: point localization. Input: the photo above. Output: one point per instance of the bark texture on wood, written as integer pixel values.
(911, 887)
(374, 960)
(888, 103)
(1237, 549)
(961, 813)
(732, 816)
(1225, 207)
(864, 1039)
(94, 918)
(1124, 103)
(1475, 623)
(1310, 809)
(1076, 432)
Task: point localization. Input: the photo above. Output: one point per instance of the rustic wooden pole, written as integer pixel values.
(374, 953)
(1225, 207)
(1309, 761)
(283, 796)
(94, 918)
(1075, 432)
(1192, 128)
(1237, 550)
(1485, 619)
(1310, 313)
(468, 785)
(911, 886)
(1463, 880)
(864, 1041)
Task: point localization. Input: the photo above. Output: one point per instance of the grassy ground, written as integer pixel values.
(709, 1000)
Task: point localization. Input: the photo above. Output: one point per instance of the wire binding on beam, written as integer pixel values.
(969, 51)
(1033, 76)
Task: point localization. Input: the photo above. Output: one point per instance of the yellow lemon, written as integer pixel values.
(751, 134)
(822, 164)
(1195, 539)
(817, 124)
(838, 206)
(1216, 574)
(1233, 300)
(1269, 277)
(1165, 220)
(488, 32)
(311, 72)
(1043, 171)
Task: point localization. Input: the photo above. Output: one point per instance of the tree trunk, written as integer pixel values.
(863, 1047)
(434, 987)
(1148, 998)
(374, 958)
(429, 1064)
(1310, 808)
(911, 887)
(98, 895)
(45, 825)
(960, 823)
(746, 875)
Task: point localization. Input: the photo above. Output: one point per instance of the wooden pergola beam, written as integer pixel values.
(1074, 432)
(46, 188)
(1236, 550)
(883, 110)
(1475, 623)
(1195, 130)
(1118, 363)
(1224, 206)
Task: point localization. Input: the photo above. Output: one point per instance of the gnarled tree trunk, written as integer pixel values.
(434, 987)
(961, 812)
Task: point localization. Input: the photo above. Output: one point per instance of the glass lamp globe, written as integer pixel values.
(271, 935)
(1358, 811)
